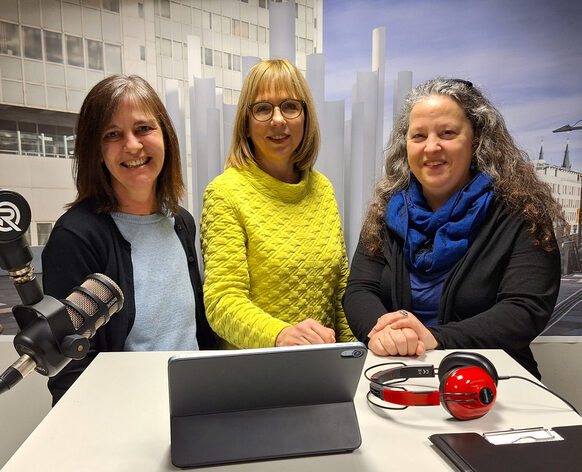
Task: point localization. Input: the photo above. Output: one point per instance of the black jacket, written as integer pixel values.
(499, 295)
(84, 242)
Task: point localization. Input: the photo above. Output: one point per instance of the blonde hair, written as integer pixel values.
(283, 76)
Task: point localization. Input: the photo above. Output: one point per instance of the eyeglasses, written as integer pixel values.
(290, 108)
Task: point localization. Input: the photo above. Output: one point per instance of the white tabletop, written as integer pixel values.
(116, 418)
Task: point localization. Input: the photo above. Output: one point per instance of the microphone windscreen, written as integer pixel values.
(90, 306)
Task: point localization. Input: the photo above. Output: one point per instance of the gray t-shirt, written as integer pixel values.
(165, 308)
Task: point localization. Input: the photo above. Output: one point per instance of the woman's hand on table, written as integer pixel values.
(400, 333)
(308, 331)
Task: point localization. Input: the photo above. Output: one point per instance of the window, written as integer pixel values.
(225, 25)
(142, 54)
(112, 5)
(94, 54)
(217, 59)
(262, 35)
(43, 231)
(75, 51)
(113, 59)
(263, 3)
(166, 47)
(53, 47)
(208, 56)
(8, 137)
(32, 43)
(9, 40)
(29, 139)
(235, 27)
(140, 10)
(244, 29)
(207, 20)
(236, 62)
(164, 8)
(177, 51)
(227, 60)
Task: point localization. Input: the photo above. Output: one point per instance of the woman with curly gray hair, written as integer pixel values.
(457, 248)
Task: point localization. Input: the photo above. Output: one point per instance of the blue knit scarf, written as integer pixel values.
(435, 241)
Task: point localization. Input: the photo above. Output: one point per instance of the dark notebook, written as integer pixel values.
(254, 404)
(471, 452)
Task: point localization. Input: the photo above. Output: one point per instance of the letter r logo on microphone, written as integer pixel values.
(9, 217)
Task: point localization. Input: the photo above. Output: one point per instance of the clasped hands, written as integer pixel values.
(400, 333)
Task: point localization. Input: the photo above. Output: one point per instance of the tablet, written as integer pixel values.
(256, 404)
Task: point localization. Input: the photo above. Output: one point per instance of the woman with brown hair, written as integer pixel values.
(458, 248)
(274, 254)
(126, 223)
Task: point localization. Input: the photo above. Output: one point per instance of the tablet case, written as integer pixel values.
(254, 404)
(471, 452)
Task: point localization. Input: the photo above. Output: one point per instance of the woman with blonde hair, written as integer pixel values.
(274, 253)
(458, 248)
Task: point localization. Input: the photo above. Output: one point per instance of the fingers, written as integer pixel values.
(306, 332)
(424, 334)
(391, 342)
(387, 319)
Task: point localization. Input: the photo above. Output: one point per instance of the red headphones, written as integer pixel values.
(467, 386)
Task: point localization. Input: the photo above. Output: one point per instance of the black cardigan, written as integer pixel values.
(84, 242)
(500, 295)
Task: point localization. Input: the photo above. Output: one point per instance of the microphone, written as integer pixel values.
(61, 331)
(15, 254)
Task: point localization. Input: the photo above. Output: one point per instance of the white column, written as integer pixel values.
(282, 30)
(175, 107)
(228, 117)
(379, 65)
(316, 77)
(331, 156)
(355, 201)
(202, 98)
(401, 87)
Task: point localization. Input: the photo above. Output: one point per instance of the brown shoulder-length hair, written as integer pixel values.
(92, 178)
(515, 182)
(284, 77)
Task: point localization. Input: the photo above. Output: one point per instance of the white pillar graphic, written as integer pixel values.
(282, 30)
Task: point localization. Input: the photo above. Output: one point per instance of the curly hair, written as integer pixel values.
(92, 178)
(284, 77)
(515, 182)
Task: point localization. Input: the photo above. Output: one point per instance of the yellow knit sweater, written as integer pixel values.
(274, 255)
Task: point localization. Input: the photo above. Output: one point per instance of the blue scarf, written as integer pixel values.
(435, 241)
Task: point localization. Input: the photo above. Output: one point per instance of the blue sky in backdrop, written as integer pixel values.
(525, 54)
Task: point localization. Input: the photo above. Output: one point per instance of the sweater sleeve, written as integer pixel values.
(229, 309)
(66, 262)
(362, 301)
(342, 328)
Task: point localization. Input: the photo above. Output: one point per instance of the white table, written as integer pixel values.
(116, 418)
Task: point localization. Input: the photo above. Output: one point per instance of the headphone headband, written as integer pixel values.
(403, 372)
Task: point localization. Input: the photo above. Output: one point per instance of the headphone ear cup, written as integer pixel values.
(457, 359)
(468, 384)
(467, 392)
